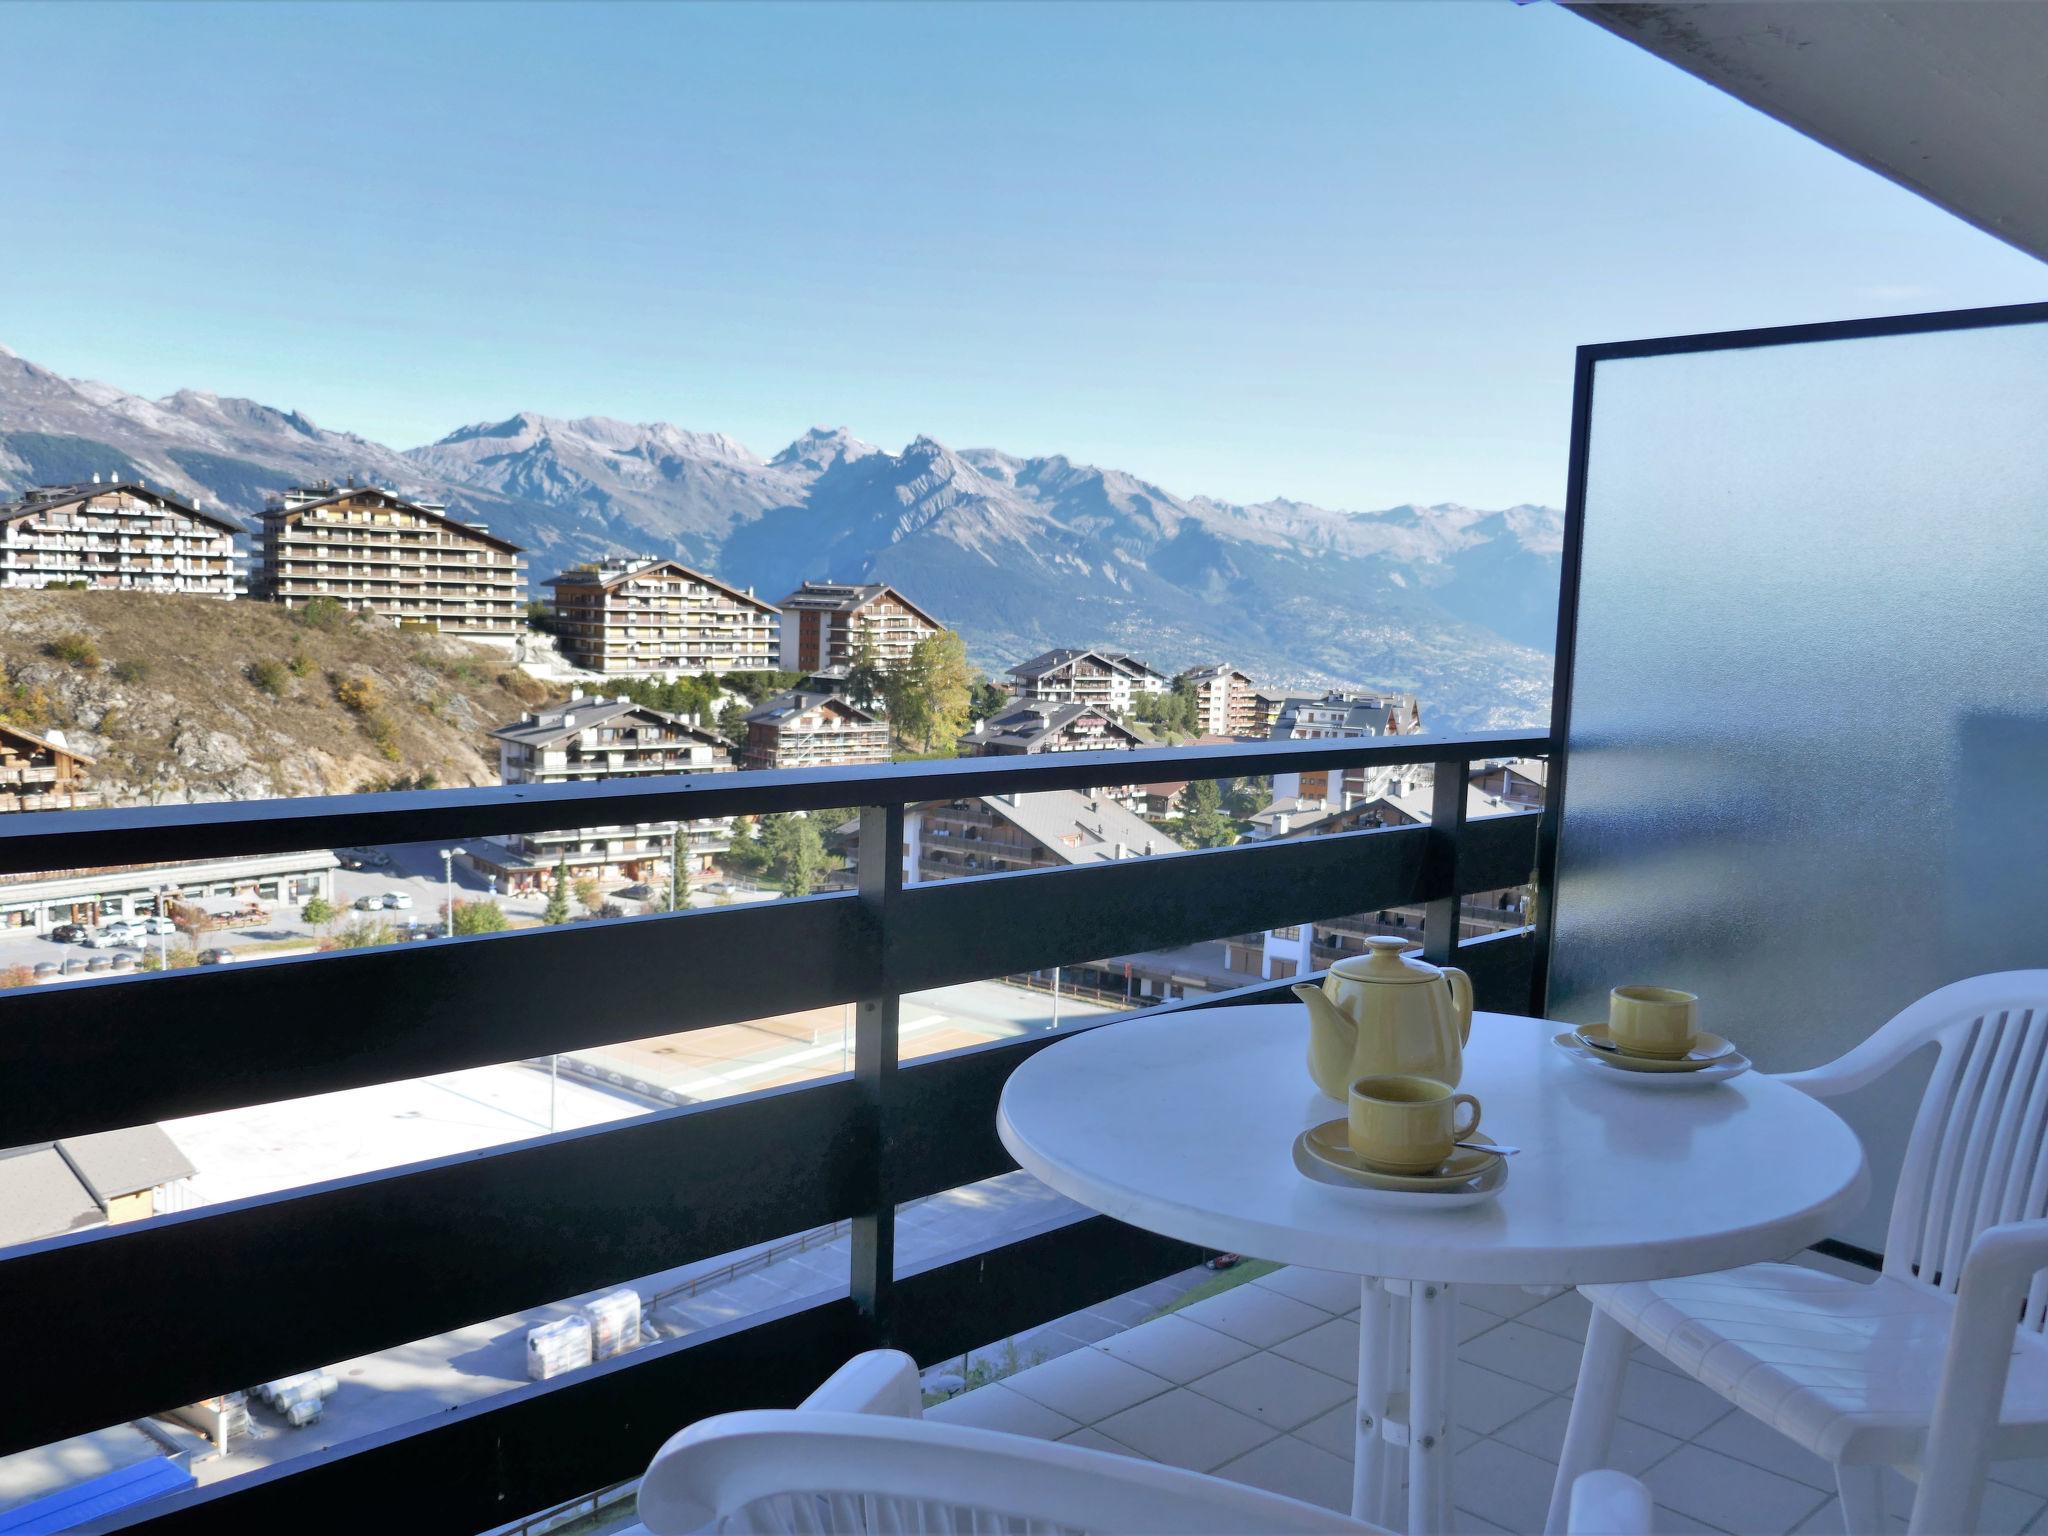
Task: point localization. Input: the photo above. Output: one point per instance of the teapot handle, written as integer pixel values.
(1461, 1001)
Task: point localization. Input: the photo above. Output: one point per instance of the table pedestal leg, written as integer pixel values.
(1373, 1479)
(1432, 1345)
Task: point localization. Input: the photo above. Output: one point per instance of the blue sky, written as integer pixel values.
(1340, 253)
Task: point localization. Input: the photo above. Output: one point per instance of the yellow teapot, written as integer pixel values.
(1386, 1012)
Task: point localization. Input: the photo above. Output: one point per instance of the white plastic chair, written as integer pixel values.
(1852, 1370)
(859, 1457)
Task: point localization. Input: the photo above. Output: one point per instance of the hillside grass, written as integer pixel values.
(178, 695)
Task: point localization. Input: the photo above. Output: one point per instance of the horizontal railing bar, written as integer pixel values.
(979, 1297)
(993, 925)
(479, 1466)
(132, 835)
(109, 1053)
(380, 1260)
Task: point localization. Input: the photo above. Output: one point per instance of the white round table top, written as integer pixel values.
(1183, 1124)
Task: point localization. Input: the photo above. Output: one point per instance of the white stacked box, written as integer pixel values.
(614, 1323)
(557, 1347)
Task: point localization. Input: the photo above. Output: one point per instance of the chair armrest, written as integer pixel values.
(1997, 1275)
(882, 1381)
(1608, 1503)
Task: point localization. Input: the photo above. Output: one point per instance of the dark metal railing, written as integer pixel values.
(334, 1270)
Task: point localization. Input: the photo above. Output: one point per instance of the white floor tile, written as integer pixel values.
(1473, 1321)
(1086, 1385)
(1295, 1468)
(1259, 1316)
(1825, 1521)
(1527, 1354)
(1500, 1300)
(1092, 1439)
(1730, 1494)
(1485, 1400)
(1186, 1429)
(1677, 1405)
(1499, 1483)
(995, 1406)
(1335, 1431)
(1565, 1316)
(2006, 1511)
(1175, 1348)
(1669, 1522)
(1274, 1390)
(1465, 1523)
(1633, 1448)
(2031, 1476)
(1320, 1288)
(1751, 1440)
(1331, 1349)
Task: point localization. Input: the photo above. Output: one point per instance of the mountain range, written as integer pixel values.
(1019, 554)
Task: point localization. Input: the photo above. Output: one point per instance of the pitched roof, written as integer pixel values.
(553, 725)
(52, 1187)
(1222, 669)
(43, 497)
(848, 597)
(349, 492)
(1023, 725)
(1077, 829)
(1367, 714)
(611, 575)
(1060, 656)
(42, 743)
(796, 701)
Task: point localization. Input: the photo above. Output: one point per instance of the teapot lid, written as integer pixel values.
(1383, 961)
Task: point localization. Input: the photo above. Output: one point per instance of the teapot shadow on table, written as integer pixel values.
(1386, 1012)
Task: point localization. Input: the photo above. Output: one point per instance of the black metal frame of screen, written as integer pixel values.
(339, 1269)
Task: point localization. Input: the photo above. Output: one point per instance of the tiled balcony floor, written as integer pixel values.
(1258, 1384)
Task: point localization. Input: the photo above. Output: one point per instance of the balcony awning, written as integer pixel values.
(1944, 99)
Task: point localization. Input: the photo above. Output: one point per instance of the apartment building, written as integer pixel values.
(650, 617)
(591, 738)
(117, 535)
(105, 893)
(1109, 680)
(1226, 701)
(1333, 716)
(408, 561)
(808, 729)
(823, 623)
(992, 834)
(1033, 725)
(43, 773)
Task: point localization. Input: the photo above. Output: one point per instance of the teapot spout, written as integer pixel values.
(1324, 1014)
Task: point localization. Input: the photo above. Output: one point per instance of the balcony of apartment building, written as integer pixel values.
(1792, 769)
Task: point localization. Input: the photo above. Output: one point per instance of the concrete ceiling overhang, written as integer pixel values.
(1946, 97)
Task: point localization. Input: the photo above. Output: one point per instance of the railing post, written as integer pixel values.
(1440, 864)
(880, 867)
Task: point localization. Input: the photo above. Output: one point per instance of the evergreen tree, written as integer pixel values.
(1205, 824)
(867, 682)
(558, 898)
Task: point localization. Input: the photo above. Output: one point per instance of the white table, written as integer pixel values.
(1182, 1124)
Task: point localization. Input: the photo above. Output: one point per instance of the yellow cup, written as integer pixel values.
(1653, 1021)
(1407, 1124)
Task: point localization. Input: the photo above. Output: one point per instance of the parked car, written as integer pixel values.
(414, 933)
(69, 933)
(112, 936)
(397, 901)
(217, 957)
(369, 903)
(154, 925)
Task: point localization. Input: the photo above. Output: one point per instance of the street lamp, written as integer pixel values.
(163, 927)
(448, 858)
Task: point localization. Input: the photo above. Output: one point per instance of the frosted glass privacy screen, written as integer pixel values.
(1808, 732)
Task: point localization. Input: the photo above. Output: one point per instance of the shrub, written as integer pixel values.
(480, 917)
(268, 676)
(74, 649)
(527, 690)
(318, 912)
(321, 613)
(361, 934)
(18, 976)
(131, 671)
(383, 735)
(301, 664)
(179, 957)
(358, 695)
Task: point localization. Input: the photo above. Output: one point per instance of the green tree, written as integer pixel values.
(482, 916)
(732, 722)
(796, 851)
(984, 700)
(867, 682)
(588, 893)
(931, 693)
(558, 898)
(745, 855)
(361, 934)
(1205, 824)
(318, 912)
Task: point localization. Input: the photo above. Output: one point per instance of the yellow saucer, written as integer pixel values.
(1330, 1145)
(1706, 1050)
